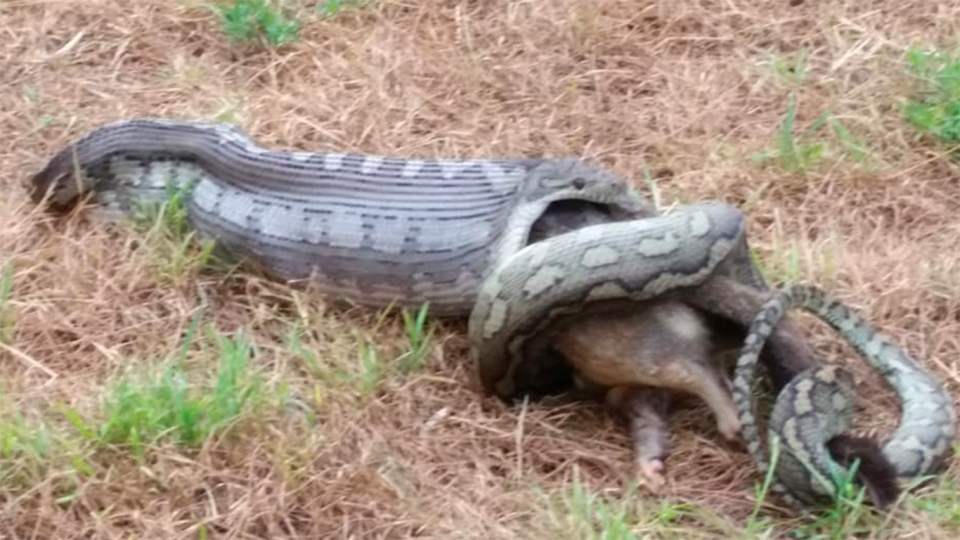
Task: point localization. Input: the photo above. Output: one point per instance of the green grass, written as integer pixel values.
(794, 151)
(419, 335)
(335, 7)
(942, 505)
(784, 263)
(248, 20)
(365, 375)
(166, 406)
(797, 150)
(35, 451)
(176, 251)
(791, 69)
(934, 110)
(7, 315)
(577, 512)
(136, 414)
(585, 515)
(371, 369)
(756, 524)
(847, 517)
(244, 21)
(26, 450)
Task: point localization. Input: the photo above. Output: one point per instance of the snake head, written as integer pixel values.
(60, 182)
(573, 179)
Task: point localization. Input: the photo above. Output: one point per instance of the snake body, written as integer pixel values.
(547, 283)
(370, 228)
(817, 404)
(380, 230)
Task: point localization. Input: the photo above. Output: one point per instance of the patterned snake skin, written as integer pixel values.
(817, 404)
(369, 228)
(381, 230)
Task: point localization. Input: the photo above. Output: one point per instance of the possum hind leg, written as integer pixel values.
(645, 410)
(664, 344)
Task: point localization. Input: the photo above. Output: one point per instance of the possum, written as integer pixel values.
(642, 359)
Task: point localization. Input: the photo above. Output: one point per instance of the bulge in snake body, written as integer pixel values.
(347, 223)
(659, 344)
(664, 344)
(640, 358)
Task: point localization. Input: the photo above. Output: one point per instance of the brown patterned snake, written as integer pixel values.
(378, 230)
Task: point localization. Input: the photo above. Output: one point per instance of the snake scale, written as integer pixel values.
(454, 233)
(817, 405)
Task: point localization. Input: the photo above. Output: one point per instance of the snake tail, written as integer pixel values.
(816, 407)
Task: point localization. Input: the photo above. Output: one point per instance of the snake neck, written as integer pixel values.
(516, 233)
(90, 162)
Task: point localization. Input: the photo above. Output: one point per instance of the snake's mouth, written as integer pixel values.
(567, 215)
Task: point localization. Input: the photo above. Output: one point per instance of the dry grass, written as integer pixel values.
(687, 88)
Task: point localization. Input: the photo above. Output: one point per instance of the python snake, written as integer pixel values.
(369, 228)
(818, 403)
(380, 230)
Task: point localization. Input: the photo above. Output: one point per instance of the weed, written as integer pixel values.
(167, 406)
(850, 144)
(371, 370)
(754, 523)
(417, 339)
(362, 377)
(229, 112)
(170, 216)
(33, 452)
(578, 513)
(847, 517)
(786, 262)
(173, 245)
(25, 450)
(800, 151)
(792, 69)
(335, 7)
(295, 343)
(7, 317)
(655, 196)
(794, 152)
(245, 20)
(936, 109)
(582, 514)
(943, 503)
(365, 375)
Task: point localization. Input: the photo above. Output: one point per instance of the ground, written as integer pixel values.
(333, 428)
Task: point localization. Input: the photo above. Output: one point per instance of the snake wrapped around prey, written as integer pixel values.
(380, 230)
(817, 405)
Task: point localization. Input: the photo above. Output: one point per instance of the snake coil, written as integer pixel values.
(817, 404)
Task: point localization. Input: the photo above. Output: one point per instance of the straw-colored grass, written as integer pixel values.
(337, 440)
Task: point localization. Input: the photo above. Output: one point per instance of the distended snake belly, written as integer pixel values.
(381, 230)
(369, 228)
